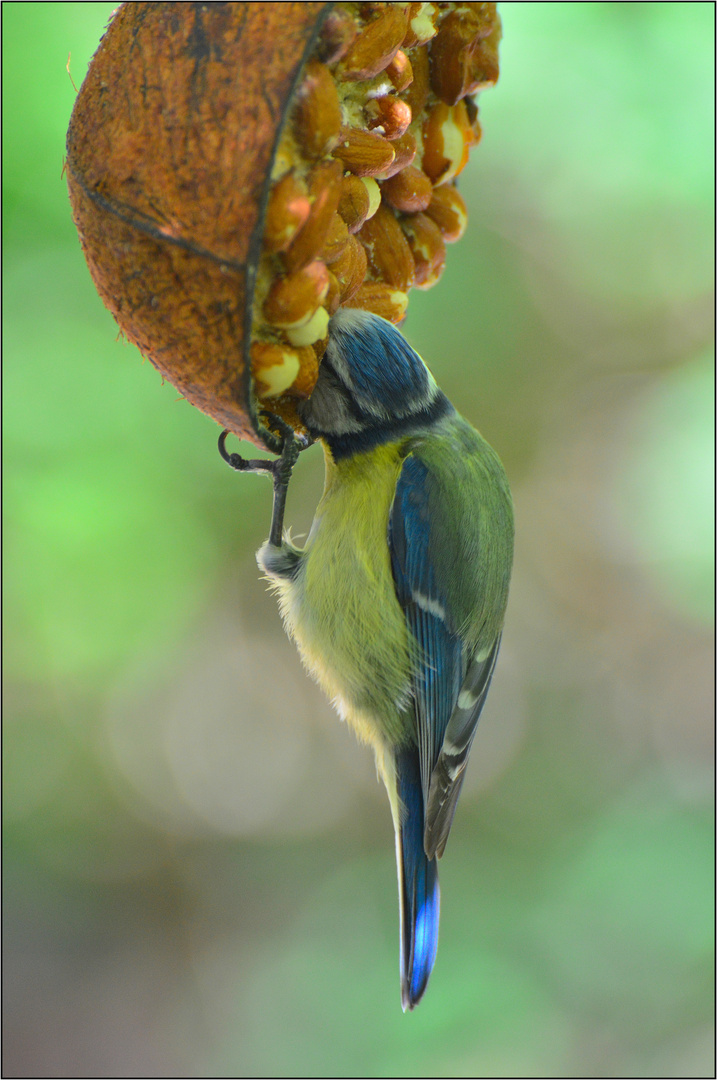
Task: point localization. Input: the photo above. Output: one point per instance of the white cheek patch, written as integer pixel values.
(327, 410)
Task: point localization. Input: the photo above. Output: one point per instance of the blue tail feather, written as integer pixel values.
(419, 895)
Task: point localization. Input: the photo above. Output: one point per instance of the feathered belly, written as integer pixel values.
(342, 610)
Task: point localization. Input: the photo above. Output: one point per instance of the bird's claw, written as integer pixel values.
(283, 440)
(288, 447)
(236, 461)
(276, 432)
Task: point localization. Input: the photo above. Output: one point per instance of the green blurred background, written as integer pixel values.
(199, 874)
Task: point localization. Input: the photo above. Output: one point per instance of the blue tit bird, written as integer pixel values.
(397, 600)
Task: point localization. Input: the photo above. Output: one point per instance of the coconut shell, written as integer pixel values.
(169, 156)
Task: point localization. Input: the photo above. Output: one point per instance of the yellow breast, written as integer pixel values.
(342, 608)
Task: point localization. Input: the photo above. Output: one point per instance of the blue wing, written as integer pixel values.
(450, 683)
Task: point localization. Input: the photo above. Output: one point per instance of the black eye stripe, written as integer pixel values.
(393, 430)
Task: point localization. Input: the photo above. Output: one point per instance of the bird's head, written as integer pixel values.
(372, 386)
